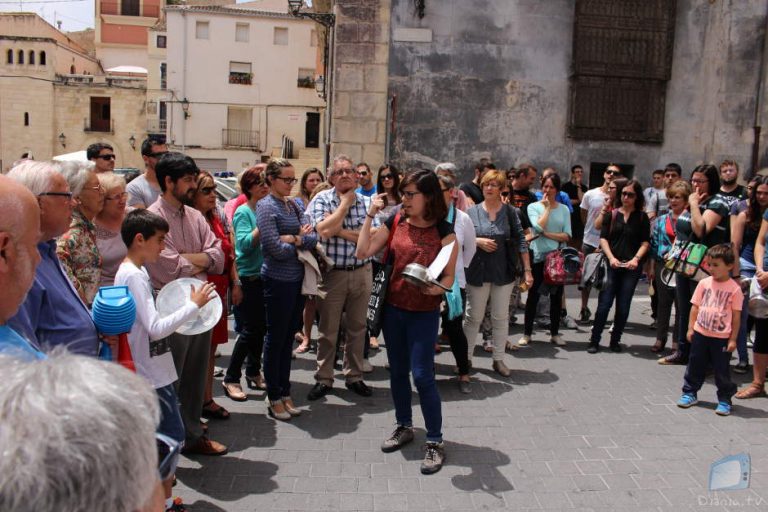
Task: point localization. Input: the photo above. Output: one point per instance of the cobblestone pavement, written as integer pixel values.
(567, 431)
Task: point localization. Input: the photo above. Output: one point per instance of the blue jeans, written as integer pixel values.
(410, 337)
(171, 424)
(250, 342)
(621, 287)
(284, 304)
(684, 289)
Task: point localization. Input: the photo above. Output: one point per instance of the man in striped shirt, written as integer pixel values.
(191, 250)
(337, 215)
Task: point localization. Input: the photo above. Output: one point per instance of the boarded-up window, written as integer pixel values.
(622, 60)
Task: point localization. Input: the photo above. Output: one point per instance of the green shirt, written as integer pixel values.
(248, 257)
(559, 221)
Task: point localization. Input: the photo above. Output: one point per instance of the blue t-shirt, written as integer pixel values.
(366, 193)
(12, 344)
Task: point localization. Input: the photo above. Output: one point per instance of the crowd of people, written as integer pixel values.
(291, 252)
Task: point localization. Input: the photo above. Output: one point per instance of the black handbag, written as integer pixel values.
(380, 286)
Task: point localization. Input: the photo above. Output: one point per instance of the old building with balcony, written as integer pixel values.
(55, 98)
(122, 28)
(241, 84)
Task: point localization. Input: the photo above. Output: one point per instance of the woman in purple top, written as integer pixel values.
(284, 230)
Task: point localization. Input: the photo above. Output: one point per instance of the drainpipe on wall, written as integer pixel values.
(759, 102)
(184, 83)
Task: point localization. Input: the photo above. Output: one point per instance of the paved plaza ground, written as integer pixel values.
(567, 431)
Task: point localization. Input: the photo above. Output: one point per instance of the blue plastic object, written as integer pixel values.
(114, 310)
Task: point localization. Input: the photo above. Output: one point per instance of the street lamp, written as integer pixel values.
(320, 86)
(63, 140)
(326, 19)
(132, 142)
(185, 107)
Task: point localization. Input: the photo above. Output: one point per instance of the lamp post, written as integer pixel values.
(324, 84)
(185, 107)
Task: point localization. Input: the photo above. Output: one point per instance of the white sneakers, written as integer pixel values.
(525, 340)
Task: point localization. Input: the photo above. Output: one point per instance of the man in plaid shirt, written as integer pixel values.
(337, 215)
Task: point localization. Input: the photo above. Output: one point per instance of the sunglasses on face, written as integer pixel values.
(207, 190)
(362, 173)
(612, 173)
(68, 195)
(504, 194)
(288, 181)
(106, 157)
(628, 194)
(386, 177)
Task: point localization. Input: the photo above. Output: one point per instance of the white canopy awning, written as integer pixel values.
(77, 156)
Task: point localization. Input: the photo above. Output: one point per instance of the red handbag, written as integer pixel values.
(563, 266)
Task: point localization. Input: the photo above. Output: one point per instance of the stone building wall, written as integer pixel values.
(480, 78)
(361, 57)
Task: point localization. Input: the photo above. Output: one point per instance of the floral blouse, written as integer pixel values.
(80, 257)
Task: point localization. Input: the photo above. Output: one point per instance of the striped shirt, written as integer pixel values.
(341, 251)
(274, 218)
(189, 234)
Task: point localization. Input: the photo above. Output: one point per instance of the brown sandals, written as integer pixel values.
(754, 390)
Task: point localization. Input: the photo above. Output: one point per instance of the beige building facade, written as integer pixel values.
(55, 98)
(246, 77)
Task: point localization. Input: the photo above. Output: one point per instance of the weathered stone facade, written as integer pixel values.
(360, 65)
(492, 79)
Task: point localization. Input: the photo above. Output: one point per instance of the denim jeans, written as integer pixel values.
(284, 305)
(250, 341)
(705, 352)
(620, 286)
(684, 289)
(410, 339)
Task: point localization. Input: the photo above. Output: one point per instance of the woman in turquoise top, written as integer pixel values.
(551, 225)
(248, 258)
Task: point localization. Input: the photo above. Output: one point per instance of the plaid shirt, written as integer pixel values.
(341, 251)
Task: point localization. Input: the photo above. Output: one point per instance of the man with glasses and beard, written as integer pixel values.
(102, 155)
(144, 190)
(592, 204)
(191, 250)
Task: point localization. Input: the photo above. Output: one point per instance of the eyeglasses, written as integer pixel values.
(207, 190)
(409, 195)
(157, 154)
(362, 173)
(628, 194)
(122, 195)
(289, 181)
(612, 173)
(346, 170)
(97, 188)
(385, 177)
(106, 157)
(167, 455)
(68, 195)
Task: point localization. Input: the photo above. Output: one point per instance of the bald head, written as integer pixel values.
(19, 234)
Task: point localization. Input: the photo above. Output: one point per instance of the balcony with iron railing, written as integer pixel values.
(240, 138)
(130, 9)
(99, 125)
(157, 125)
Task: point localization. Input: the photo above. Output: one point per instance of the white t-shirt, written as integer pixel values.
(592, 202)
(466, 239)
(158, 370)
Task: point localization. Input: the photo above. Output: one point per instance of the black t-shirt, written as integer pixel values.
(473, 191)
(625, 239)
(577, 227)
(520, 199)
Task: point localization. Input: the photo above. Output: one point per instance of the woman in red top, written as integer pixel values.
(205, 203)
(412, 313)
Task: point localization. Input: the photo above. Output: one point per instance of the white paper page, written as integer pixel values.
(437, 266)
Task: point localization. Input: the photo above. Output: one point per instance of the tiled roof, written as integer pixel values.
(219, 9)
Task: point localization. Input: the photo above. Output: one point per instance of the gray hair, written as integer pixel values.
(78, 434)
(448, 181)
(446, 167)
(341, 158)
(36, 176)
(76, 174)
(110, 180)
